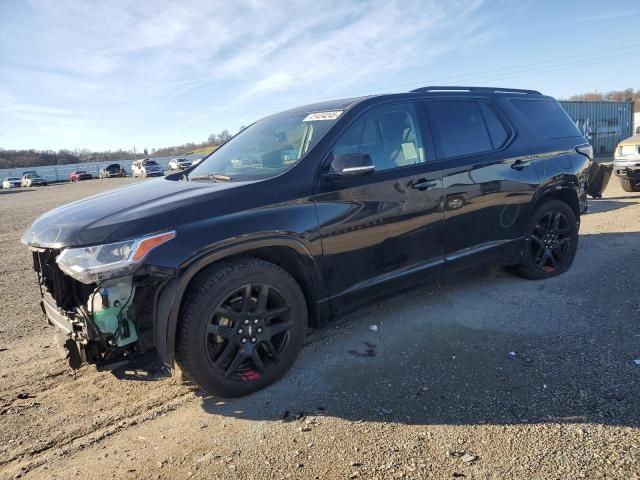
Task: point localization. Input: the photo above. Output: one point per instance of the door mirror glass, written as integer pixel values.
(352, 165)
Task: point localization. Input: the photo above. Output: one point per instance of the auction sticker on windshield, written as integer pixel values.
(312, 117)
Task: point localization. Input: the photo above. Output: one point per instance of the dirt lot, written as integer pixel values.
(482, 376)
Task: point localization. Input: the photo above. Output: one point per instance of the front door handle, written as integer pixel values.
(520, 164)
(423, 184)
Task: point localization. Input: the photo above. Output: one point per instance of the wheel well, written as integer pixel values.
(293, 263)
(565, 195)
(290, 261)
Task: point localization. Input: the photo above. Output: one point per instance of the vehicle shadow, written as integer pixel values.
(478, 348)
(626, 197)
(146, 367)
(610, 204)
(16, 190)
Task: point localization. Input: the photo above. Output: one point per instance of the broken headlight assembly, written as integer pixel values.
(102, 262)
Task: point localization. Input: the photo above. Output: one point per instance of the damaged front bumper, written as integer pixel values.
(99, 323)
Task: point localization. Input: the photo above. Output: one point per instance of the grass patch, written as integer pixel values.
(205, 150)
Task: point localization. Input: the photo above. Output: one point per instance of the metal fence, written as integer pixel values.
(603, 124)
(60, 173)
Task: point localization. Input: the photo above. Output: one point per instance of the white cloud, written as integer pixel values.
(114, 60)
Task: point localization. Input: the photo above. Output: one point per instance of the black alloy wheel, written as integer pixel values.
(551, 242)
(242, 325)
(248, 332)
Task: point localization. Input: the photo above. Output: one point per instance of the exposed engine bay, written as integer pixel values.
(99, 323)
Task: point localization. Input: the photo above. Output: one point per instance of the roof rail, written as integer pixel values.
(475, 89)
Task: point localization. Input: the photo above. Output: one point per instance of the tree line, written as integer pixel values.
(40, 158)
(626, 95)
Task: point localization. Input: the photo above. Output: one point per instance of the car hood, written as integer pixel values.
(635, 140)
(128, 212)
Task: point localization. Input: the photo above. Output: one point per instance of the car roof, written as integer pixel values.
(429, 91)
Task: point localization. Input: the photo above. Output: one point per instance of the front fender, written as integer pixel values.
(169, 300)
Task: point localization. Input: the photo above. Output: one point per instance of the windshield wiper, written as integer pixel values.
(213, 176)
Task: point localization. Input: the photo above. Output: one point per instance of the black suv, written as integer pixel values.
(304, 214)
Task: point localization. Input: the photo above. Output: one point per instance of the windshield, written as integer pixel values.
(149, 162)
(266, 148)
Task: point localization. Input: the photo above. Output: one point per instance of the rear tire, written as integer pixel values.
(242, 326)
(551, 242)
(629, 185)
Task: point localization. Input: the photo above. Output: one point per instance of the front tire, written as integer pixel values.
(551, 242)
(629, 186)
(242, 326)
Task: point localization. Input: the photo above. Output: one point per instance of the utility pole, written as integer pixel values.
(134, 154)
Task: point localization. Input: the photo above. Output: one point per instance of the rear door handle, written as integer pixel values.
(520, 164)
(423, 184)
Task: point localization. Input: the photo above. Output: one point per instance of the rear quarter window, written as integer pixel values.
(548, 117)
(461, 127)
(496, 129)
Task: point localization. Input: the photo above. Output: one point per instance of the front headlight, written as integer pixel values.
(100, 262)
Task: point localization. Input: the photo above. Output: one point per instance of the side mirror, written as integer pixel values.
(352, 165)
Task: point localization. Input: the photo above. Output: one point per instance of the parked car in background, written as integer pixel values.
(146, 168)
(179, 163)
(11, 182)
(626, 164)
(113, 170)
(33, 180)
(80, 175)
(306, 214)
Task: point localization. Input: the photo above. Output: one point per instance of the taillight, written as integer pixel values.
(586, 150)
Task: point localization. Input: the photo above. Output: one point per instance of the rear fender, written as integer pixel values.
(569, 192)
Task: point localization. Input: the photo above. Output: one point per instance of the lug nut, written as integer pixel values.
(240, 331)
(255, 322)
(259, 329)
(253, 340)
(244, 340)
(246, 322)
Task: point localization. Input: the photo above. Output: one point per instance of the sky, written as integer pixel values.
(114, 74)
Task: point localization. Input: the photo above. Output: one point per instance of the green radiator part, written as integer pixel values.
(107, 321)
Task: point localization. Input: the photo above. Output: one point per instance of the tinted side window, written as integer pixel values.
(461, 127)
(549, 117)
(497, 131)
(389, 134)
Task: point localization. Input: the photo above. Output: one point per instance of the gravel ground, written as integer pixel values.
(483, 375)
